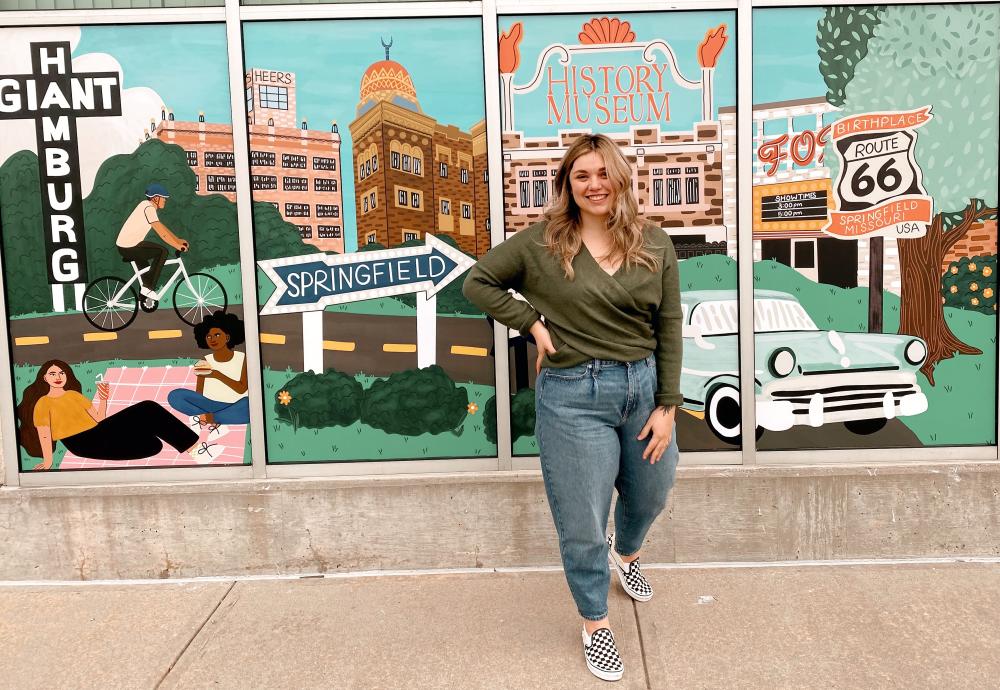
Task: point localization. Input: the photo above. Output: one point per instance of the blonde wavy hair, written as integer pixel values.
(562, 218)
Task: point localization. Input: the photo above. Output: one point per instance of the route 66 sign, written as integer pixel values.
(879, 190)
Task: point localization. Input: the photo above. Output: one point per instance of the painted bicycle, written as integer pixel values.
(111, 304)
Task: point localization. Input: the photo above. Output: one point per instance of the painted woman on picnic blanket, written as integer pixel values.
(53, 408)
(220, 396)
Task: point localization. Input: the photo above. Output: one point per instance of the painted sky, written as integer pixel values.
(682, 30)
(443, 56)
(785, 62)
(186, 64)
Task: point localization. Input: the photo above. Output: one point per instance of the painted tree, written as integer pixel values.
(944, 56)
(842, 37)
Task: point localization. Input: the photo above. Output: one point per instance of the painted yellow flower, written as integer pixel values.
(472, 408)
(972, 266)
(285, 398)
(987, 293)
(973, 286)
(953, 289)
(987, 271)
(954, 270)
(975, 301)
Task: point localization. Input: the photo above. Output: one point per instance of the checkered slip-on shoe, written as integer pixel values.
(629, 575)
(602, 655)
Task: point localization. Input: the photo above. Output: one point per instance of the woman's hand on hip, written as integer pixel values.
(543, 341)
(661, 425)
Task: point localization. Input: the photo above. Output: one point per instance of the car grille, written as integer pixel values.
(843, 398)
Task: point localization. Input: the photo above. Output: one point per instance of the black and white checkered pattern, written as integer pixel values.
(602, 655)
(629, 575)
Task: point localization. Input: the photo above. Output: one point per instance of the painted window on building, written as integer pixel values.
(275, 97)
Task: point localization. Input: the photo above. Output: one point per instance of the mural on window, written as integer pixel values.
(662, 85)
(370, 350)
(121, 254)
(875, 226)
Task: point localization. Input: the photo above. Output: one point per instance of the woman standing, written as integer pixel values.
(605, 314)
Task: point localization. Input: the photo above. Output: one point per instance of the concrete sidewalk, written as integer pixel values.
(853, 626)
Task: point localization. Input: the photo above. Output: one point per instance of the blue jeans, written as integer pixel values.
(192, 402)
(587, 421)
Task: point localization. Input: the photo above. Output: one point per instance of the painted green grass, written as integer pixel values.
(526, 445)
(362, 442)
(712, 272)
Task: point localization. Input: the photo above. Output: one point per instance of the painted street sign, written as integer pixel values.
(879, 191)
(54, 97)
(313, 281)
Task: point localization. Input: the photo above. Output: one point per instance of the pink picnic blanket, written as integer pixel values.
(135, 384)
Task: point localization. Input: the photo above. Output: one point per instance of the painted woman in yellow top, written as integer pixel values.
(53, 408)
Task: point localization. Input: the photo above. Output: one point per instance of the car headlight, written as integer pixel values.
(915, 352)
(782, 362)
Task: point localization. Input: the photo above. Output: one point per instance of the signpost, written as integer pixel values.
(54, 97)
(309, 283)
(879, 191)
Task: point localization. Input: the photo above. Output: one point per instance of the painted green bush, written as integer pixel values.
(317, 401)
(522, 416)
(415, 401)
(971, 283)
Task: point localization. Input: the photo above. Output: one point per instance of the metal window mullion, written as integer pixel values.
(244, 216)
(146, 15)
(744, 242)
(494, 158)
(519, 7)
(827, 3)
(361, 10)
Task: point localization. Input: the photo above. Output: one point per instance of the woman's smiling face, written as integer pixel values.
(216, 339)
(55, 377)
(593, 192)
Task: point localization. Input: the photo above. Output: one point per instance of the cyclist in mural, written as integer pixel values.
(220, 395)
(53, 408)
(132, 244)
(606, 316)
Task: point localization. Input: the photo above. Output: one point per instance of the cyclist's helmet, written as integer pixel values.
(156, 189)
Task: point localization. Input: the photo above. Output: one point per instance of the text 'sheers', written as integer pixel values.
(879, 191)
(54, 97)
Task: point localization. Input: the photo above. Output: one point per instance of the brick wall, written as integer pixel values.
(979, 241)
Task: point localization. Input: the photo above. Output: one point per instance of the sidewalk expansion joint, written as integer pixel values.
(642, 646)
(197, 632)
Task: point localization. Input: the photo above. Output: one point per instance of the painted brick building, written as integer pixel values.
(678, 181)
(292, 167)
(413, 175)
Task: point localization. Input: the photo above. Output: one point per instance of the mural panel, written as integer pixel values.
(121, 255)
(365, 228)
(662, 85)
(875, 227)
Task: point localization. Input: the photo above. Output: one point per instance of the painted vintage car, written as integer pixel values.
(802, 375)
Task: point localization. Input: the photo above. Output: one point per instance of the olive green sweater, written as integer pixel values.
(623, 317)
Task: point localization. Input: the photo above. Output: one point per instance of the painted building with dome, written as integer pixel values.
(412, 174)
